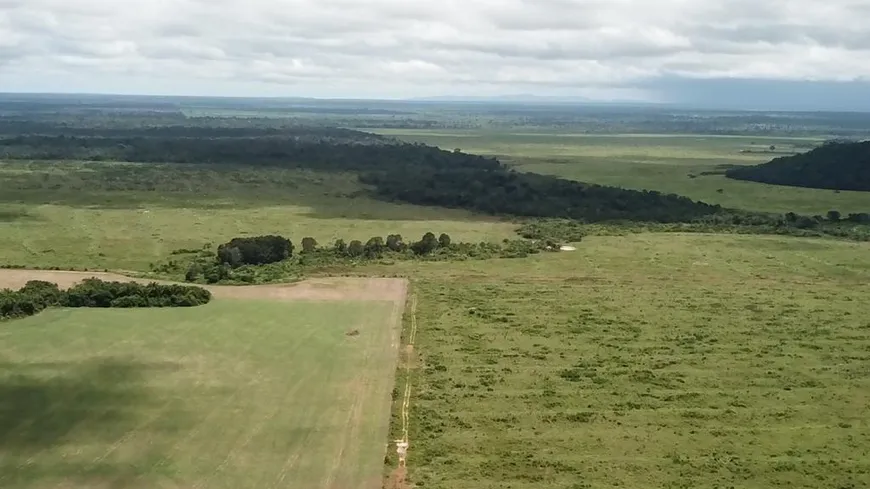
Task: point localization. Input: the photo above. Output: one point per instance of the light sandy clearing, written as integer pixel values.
(320, 289)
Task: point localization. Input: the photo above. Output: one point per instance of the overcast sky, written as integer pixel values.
(604, 49)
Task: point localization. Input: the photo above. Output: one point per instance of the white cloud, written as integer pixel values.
(405, 47)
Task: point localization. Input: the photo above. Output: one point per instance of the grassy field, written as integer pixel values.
(114, 216)
(235, 394)
(646, 361)
(671, 164)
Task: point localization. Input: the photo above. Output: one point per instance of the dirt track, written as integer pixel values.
(321, 289)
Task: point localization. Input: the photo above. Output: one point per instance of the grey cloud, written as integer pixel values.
(408, 45)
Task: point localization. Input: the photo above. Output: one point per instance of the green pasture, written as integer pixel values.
(638, 361)
(126, 216)
(234, 394)
(646, 361)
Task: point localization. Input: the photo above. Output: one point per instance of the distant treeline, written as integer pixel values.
(37, 295)
(411, 173)
(115, 112)
(855, 226)
(19, 131)
(835, 166)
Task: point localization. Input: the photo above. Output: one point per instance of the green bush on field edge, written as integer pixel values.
(37, 295)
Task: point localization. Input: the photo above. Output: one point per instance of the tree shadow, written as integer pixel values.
(50, 408)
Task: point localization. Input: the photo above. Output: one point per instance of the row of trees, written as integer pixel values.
(36, 296)
(376, 246)
(223, 266)
(262, 250)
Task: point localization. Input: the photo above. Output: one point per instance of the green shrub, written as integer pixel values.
(36, 296)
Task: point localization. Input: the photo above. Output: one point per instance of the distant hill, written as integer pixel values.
(836, 166)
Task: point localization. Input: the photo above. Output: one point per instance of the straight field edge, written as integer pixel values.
(402, 376)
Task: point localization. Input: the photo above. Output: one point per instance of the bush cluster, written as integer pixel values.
(255, 251)
(29, 300)
(215, 267)
(36, 295)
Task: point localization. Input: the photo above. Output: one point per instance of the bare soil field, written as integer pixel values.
(320, 289)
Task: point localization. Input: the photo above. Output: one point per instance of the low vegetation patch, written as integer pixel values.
(37, 295)
(645, 361)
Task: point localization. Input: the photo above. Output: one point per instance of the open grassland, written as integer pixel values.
(646, 361)
(234, 394)
(667, 163)
(126, 216)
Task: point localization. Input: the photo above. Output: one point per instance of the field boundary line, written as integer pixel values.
(406, 400)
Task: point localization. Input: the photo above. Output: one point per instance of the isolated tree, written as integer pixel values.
(444, 240)
(355, 248)
(309, 245)
(834, 216)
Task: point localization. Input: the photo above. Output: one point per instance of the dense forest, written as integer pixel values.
(501, 191)
(836, 166)
(411, 173)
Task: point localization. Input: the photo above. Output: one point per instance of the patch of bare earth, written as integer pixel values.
(319, 289)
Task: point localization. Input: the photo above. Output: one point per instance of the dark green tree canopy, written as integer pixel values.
(355, 249)
(395, 242)
(835, 165)
(255, 251)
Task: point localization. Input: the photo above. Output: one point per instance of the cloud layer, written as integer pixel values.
(406, 48)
